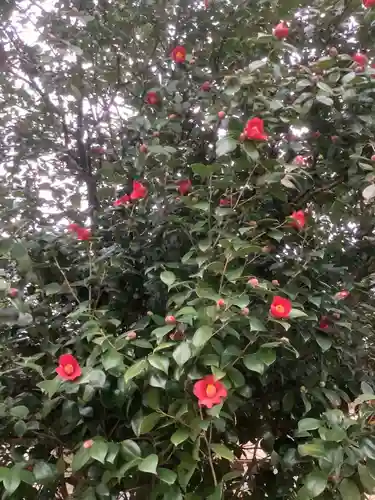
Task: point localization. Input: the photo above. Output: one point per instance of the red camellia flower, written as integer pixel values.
(13, 292)
(81, 232)
(342, 295)
(152, 98)
(170, 320)
(139, 191)
(98, 150)
(368, 3)
(179, 54)
(68, 368)
(225, 202)
(280, 307)
(253, 282)
(298, 221)
(124, 200)
(299, 160)
(220, 303)
(324, 323)
(360, 59)
(184, 186)
(88, 444)
(206, 86)
(281, 31)
(254, 130)
(209, 391)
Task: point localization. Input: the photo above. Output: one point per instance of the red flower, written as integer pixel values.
(82, 233)
(13, 292)
(68, 368)
(206, 86)
(209, 391)
(298, 221)
(368, 3)
(225, 202)
(280, 307)
(152, 98)
(73, 227)
(360, 59)
(139, 191)
(299, 160)
(88, 444)
(342, 294)
(184, 186)
(323, 323)
(281, 31)
(254, 130)
(98, 150)
(179, 54)
(253, 282)
(124, 200)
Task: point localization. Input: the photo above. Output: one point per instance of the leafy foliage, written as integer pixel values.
(160, 237)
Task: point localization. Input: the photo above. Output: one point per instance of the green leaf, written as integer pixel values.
(19, 411)
(50, 387)
(148, 422)
(256, 325)
(52, 288)
(349, 490)
(327, 101)
(166, 475)
(182, 353)
(296, 313)
(130, 449)
(308, 424)
(163, 330)
(98, 450)
(80, 459)
(315, 483)
(253, 363)
(367, 480)
(267, 356)
(159, 362)
(12, 479)
(168, 278)
(323, 341)
(20, 428)
(112, 359)
(95, 378)
(202, 335)
(222, 451)
(251, 150)
(180, 436)
(43, 472)
(225, 145)
(313, 449)
(149, 464)
(135, 370)
(326, 88)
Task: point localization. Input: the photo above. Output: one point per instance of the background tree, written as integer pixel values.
(187, 192)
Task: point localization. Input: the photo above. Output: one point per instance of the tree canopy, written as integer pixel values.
(187, 247)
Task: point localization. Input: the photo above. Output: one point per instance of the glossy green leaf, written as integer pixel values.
(149, 464)
(202, 335)
(180, 436)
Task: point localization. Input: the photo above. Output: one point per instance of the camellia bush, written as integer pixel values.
(187, 248)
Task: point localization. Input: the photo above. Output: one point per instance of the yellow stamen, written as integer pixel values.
(179, 55)
(280, 308)
(68, 369)
(210, 390)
